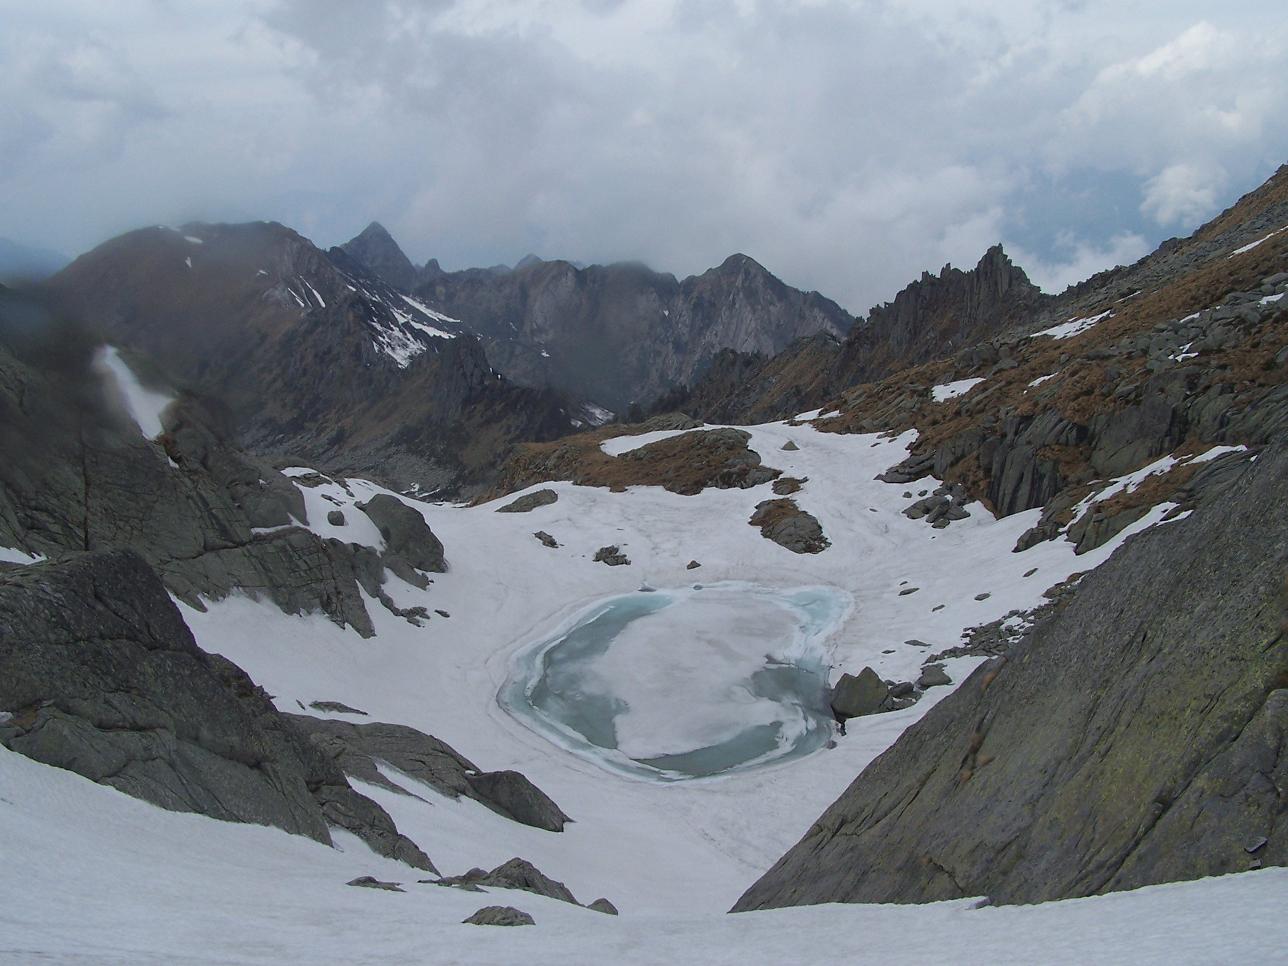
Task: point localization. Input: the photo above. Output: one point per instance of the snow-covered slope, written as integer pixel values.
(650, 847)
(142, 885)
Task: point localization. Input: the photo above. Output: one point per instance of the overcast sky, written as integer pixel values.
(845, 145)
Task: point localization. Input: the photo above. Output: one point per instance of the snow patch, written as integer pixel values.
(145, 406)
(1041, 379)
(1260, 241)
(321, 301)
(1067, 330)
(951, 390)
(15, 556)
(624, 444)
(424, 309)
(194, 239)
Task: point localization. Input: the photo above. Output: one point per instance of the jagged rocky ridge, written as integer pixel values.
(1137, 736)
(1185, 350)
(931, 318)
(1199, 360)
(613, 334)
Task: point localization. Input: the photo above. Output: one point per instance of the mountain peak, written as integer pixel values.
(375, 250)
(737, 262)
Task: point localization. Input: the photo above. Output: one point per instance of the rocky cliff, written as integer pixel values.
(611, 334)
(79, 475)
(932, 318)
(101, 676)
(1138, 736)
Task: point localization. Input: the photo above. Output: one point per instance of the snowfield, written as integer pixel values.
(141, 885)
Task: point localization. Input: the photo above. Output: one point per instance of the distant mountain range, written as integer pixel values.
(355, 359)
(611, 334)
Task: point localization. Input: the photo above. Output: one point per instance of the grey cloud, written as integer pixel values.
(847, 145)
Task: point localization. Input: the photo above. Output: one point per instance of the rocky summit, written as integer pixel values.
(336, 600)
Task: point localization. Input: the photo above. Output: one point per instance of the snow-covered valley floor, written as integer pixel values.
(93, 876)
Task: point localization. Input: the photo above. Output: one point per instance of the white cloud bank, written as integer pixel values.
(847, 145)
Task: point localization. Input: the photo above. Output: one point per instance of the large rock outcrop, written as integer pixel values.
(357, 749)
(1138, 736)
(100, 675)
(79, 475)
(685, 464)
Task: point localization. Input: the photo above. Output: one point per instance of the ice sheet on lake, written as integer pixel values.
(683, 683)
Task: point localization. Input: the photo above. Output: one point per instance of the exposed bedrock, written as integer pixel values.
(100, 675)
(1140, 735)
(357, 749)
(785, 523)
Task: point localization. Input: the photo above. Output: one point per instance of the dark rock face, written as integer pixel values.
(410, 544)
(933, 676)
(79, 476)
(622, 333)
(510, 793)
(355, 749)
(932, 318)
(785, 523)
(375, 250)
(604, 906)
(102, 677)
(530, 501)
(500, 916)
(939, 314)
(1136, 737)
(857, 695)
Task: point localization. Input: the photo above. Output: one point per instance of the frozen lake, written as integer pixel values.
(683, 683)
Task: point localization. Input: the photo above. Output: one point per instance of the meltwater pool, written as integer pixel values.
(677, 684)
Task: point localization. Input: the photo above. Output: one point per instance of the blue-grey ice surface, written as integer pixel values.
(683, 683)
